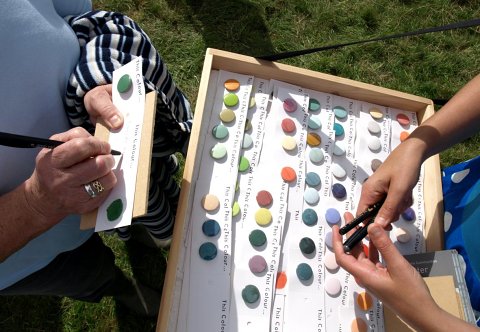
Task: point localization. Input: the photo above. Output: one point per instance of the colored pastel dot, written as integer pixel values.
(230, 99)
(358, 325)
(338, 128)
(288, 174)
(375, 164)
(374, 128)
(316, 155)
(338, 171)
(210, 202)
(332, 216)
(313, 179)
(244, 164)
(403, 235)
(257, 238)
(304, 271)
(227, 115)
(307, 246)
(403, 119)
(257, 264)
(313, 105)
(250, 294)
(247, 141)
(374, 144)
(404, 135)
(264, 198)
(313, 139)
(339, 191)
(376, 113)
(288, 126)
(309, 217)
(289, 143)
(114, 210)
(289, 105)
(409, 214)
(340, 112)
(218, 151)
(333, 287)
(281, 280)
(235, 209)
(338, 149)
(220, 131)
(314, 122)
(311, 196)
(329, 239)
(252, 102)
(231, 85)
(207, 251)
(248, 125)
(263, 217)
(124, 83)
(330, 262)
(364, 301)
(211, 227)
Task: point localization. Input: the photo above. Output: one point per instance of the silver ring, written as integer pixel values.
(93, 188)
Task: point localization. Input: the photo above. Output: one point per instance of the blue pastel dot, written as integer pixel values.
(332, 216)
(311, 196)
(207, 251)
(316, 155)
(340, 112)
(211, 227)
(339, 191)
(339, 131)
(313, 179)
(409, 214)
(304, 271)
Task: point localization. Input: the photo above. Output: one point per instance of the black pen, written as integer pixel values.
(22, 141)
(362, 232)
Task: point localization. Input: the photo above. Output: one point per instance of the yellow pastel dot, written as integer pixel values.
(252, 102)
(235, 209)
(227, 115)
(263, 217)
(289, 143)
(376, 113)
(313, 139)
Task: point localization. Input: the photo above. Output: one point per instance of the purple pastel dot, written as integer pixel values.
(339, 191)
(257, 264)
(332, 216)
(289, 105)
(409, 214)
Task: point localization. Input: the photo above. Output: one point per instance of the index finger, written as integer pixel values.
(98, 103)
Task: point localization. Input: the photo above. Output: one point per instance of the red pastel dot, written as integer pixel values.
(403, 119)
(288, 125)
(264, 198)
(288, 174)
(281, 280)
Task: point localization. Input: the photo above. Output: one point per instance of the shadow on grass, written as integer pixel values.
(235, 26)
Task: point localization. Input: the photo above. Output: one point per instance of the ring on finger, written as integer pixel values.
(93, 188)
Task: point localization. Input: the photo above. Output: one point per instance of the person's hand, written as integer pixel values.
(395, 178)
(56, 187)
(98, 103)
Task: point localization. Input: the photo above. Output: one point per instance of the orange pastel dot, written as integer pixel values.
(281, 280)
(404, 135)
(288, 174)
(232, 85)
(358, 325)
(364, 301)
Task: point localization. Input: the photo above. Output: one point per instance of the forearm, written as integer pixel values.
(19, 222)
(441, 321)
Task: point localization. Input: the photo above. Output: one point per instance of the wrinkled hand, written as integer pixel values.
(396, 283)
(56, 187)
(98, 103)
(395, 178)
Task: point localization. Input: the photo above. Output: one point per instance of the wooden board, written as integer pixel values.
(216, 59)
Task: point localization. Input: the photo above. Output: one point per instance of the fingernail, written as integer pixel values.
(115, 121)
(110, 161)
(381, 221)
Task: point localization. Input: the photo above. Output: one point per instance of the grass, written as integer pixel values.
(433, 66)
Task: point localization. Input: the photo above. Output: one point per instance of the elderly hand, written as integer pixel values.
(98, 103)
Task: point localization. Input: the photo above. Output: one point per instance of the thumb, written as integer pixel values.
(98, 103)
(385, 246)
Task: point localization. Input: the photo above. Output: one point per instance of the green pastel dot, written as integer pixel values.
(248, 125)
(124, 83)
(340, 112)
(220, 131)
(313, 105)
(207, 251)
(218, 151)
(244, 164)
(114, 210)
(250, 294)
(304, 271)
(257, 238)
(309, 217)
(307, 246)
(235, 209)
(230, 99)
(252, 102)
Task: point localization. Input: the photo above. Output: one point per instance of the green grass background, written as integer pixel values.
(434, 66)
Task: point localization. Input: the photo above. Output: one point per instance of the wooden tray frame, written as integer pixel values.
(217, 59)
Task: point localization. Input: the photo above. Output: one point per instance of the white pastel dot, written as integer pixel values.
(330, 262)
(247, 141)
(338, 171)
(329, 240)
(338, 149)
(333, 287)
(459, 176)
(374, 144)
(447, 221)
(374, 127)
(403, 236)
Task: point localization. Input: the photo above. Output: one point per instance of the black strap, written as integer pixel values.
(457, 25)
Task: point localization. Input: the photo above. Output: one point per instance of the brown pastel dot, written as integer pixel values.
(375, 164)
(404, 135)
(210, 202)
(313, 139)
(364, 301)
(288, 174)
(231, 85)
(248, 125)
(227, 115)
(264, 198)
(288, 125)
